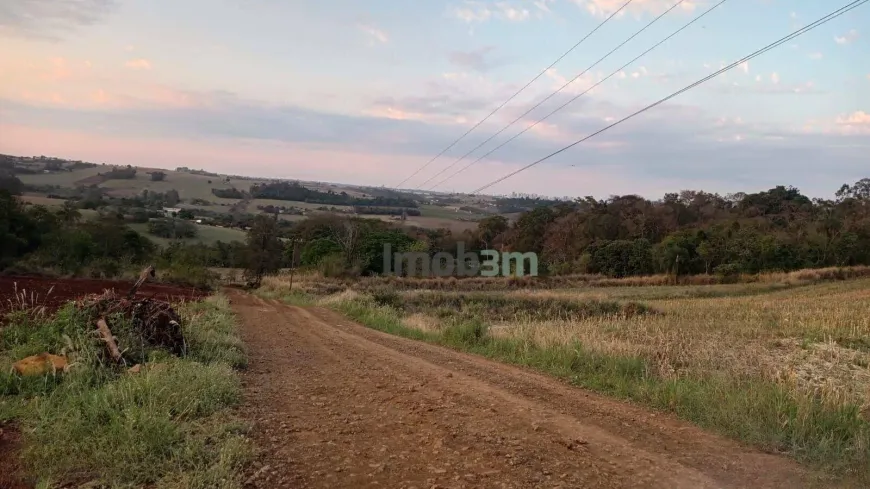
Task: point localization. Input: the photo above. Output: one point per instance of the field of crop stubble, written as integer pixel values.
(781, 363)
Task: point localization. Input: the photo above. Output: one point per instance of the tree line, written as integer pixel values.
(690, 232)
(295, 191)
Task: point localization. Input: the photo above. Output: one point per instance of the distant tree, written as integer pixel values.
(171, 198)
(157, 176)
(172, 229)
(264, 250)
(491, 227)
(10, 183)
(69, 213)
(185, 214)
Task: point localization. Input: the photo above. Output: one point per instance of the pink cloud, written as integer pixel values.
(857, 122)
(138, 64)
(603, 8)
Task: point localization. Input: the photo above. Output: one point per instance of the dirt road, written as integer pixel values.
(339, 405)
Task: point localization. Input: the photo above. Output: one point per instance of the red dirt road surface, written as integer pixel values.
(54, 292)
(337, 405)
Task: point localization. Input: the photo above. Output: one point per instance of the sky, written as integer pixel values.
(368, 92)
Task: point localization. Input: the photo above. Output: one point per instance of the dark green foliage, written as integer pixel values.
(157, 176)
(386, 211)
(228, 193)
(10, 183)
(695, 232)
(316, 250)
(172, 228)
(620, 258)
(296, 192)
(121, 173)
(264, 250)
(499, 307)
(371, 249)
(523, 203)
(18, 231)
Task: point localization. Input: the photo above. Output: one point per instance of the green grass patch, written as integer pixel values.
(758, 412)
(167, 426)
(502, 308)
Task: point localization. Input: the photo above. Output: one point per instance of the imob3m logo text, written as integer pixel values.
(462, 264)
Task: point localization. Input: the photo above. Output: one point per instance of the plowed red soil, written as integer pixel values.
(338, 405)
(54, 292)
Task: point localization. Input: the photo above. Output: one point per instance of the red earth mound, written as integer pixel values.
(54, 292)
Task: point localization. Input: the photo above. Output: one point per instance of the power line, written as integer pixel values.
(493, 150)
(533, 80)
(593, 65)
(799, 32)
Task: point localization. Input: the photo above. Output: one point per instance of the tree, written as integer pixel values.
(171, 198)
(491, 227)
(186, 214)
(69, 213)
(264, 249)
(157, 176)
(10, 183)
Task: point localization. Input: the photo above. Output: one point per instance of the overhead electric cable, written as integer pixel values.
(493, 150)
(548, 97)
(797, 33)
(575, 46)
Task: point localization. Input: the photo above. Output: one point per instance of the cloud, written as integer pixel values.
(857, 122)
(744, 66)
(374, 34)
(474, 60)
(774, 78)
(774, 88)
(51, 19)
(816, 56)
(603, 8)
(480, 11)
(138, 64)
(847, 38)
(660, 147)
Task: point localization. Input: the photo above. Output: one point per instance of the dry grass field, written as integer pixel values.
(782, 363)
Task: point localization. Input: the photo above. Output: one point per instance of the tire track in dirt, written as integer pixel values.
(336, 404)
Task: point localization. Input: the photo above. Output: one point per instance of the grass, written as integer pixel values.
(205, 234)
(647, 286)
(189, 186)
(63, 179)
(780, 363)
(167, 426)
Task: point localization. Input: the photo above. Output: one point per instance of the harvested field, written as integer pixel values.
(54, 292)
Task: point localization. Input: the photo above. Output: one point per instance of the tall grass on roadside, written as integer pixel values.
(501, 307)
(755, 410)
(166, 426)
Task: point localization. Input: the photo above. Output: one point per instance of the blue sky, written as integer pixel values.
(368, 91)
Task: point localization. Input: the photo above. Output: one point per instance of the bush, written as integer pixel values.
(170, 229)
(727, 272)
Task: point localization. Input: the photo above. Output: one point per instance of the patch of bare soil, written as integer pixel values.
(338, 405)
(11, 476)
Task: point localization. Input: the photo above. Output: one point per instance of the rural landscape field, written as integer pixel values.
(191, 329)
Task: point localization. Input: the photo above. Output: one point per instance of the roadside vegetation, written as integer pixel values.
(164, 424)
(783, 366)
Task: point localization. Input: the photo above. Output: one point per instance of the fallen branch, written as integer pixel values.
(106, 333)
(147, 272)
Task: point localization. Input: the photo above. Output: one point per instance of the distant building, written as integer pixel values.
(171, 211)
